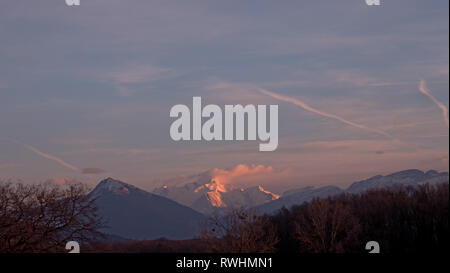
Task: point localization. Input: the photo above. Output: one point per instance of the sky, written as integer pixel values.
(85, 92)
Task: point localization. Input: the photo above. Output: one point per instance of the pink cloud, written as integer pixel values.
(60, 181)
(239, 172)
(424, 90)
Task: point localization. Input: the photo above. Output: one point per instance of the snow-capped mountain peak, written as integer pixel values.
(134, 213)
(207, 197)
(213, 186)
(407, 178)
(114, 186)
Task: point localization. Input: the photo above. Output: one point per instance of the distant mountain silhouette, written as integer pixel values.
(407, 178)
(133, 213)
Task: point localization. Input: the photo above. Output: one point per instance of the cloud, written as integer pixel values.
(125, 78)
(48, 156)
(321, 113)
(424, 90)
(138, 74)
(92, 171)
(227, 176)
(89, 170)
(60, 181)
(239, 175)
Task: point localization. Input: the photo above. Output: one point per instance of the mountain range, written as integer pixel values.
(177, 212)
(407, 178)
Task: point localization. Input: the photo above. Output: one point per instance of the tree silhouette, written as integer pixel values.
(43, 217)
(240, 232)
(326, 226)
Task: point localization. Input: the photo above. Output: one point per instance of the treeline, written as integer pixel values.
(400, 219)
(42, 218)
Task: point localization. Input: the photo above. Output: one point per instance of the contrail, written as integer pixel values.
(316, 111)
(424, 90)
(48, 156)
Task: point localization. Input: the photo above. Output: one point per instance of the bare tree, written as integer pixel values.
(43, 217)
(240, 232)
(326, 226)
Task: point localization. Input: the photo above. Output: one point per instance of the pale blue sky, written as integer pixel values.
(93, 85)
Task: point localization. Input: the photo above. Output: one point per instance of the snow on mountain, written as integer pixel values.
(133, 213)
(298, 197)
(114, 186)
(213, 195)
(412, 178)
(407, 178)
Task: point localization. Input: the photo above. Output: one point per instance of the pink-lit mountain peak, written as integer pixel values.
(207, 196)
